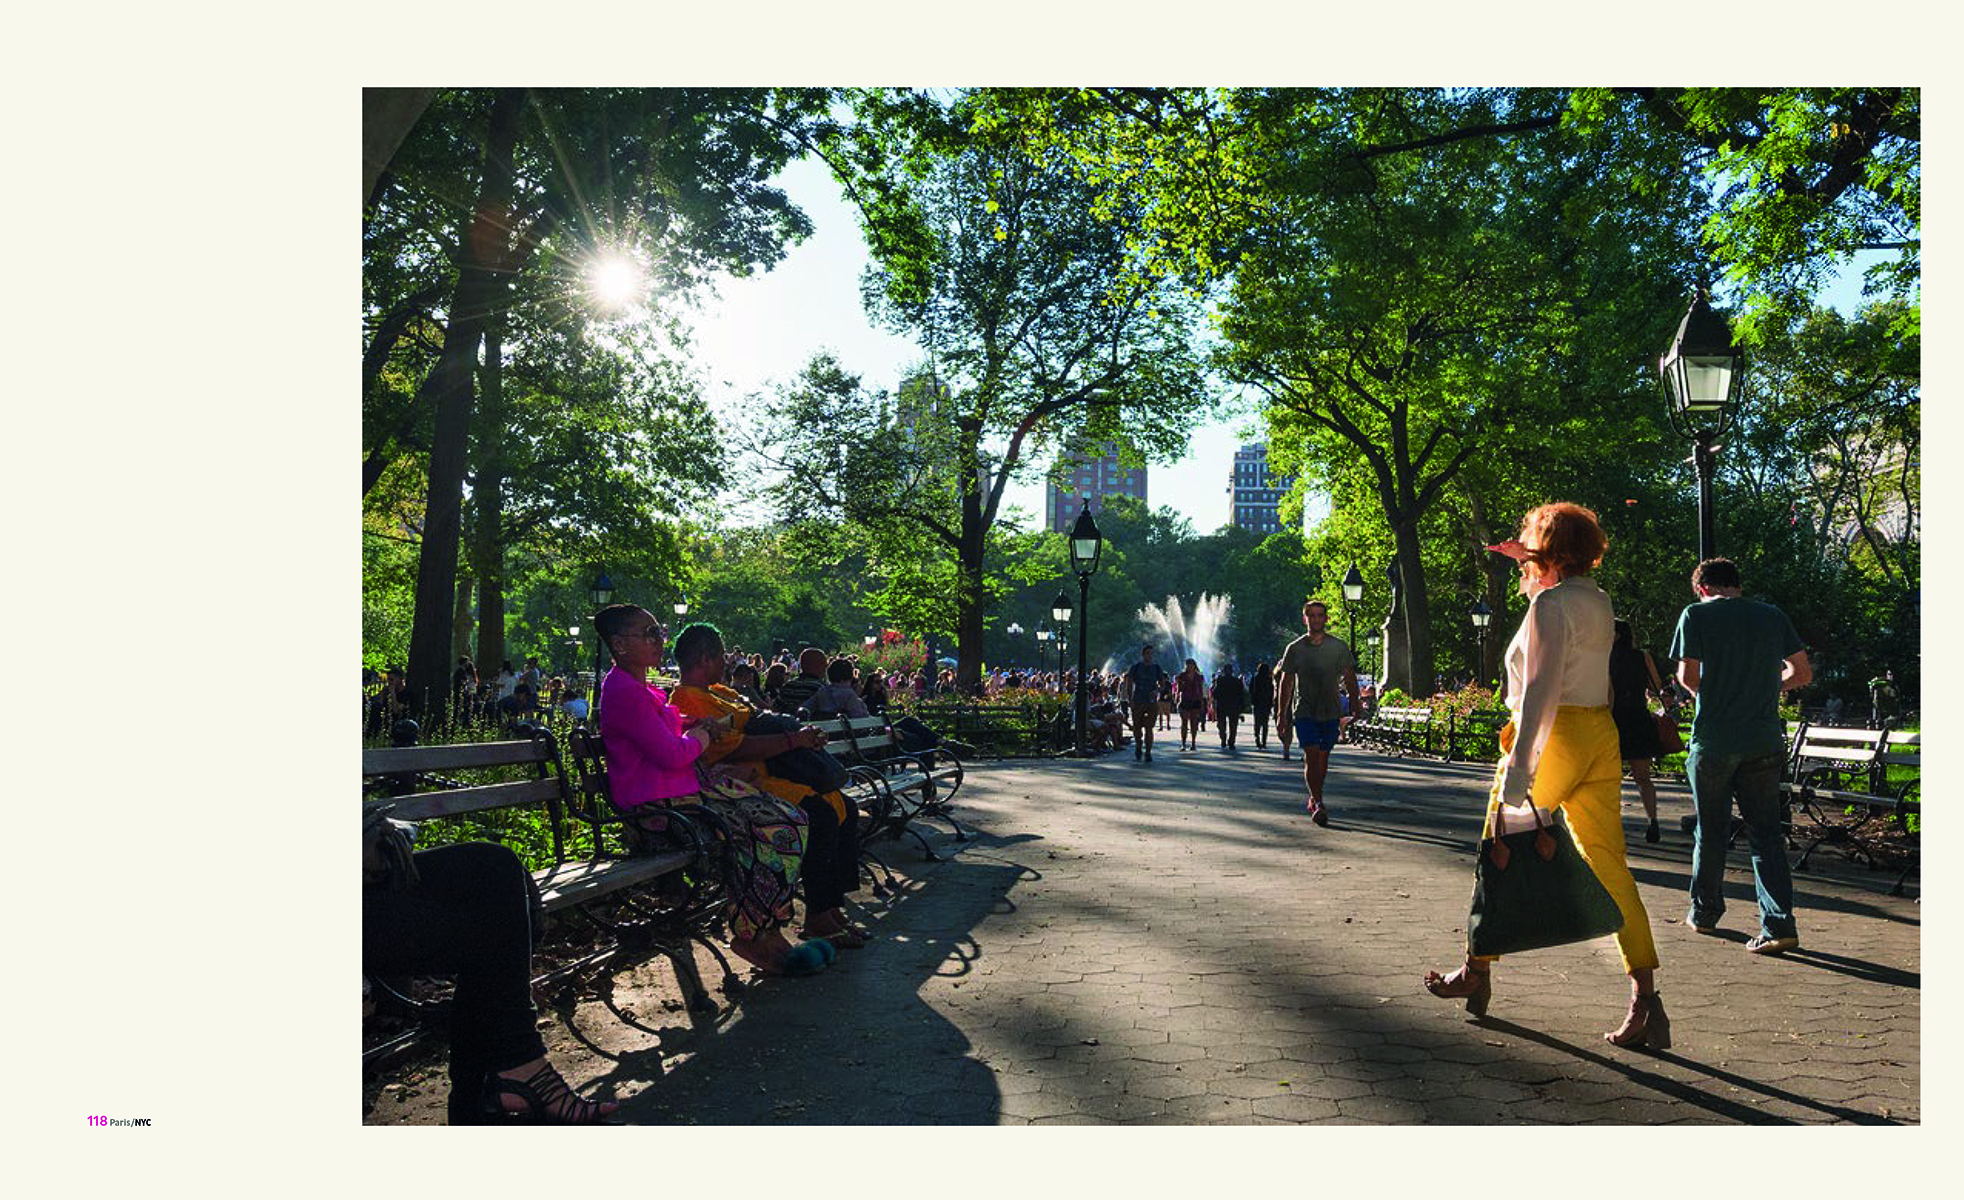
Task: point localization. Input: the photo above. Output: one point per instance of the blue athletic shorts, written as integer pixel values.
(1321, 734)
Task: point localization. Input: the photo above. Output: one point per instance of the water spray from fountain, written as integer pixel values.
(1196, 635)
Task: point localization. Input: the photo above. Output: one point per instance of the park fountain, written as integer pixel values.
(1196, 635)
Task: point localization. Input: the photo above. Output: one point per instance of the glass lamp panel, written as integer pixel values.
(1707, 384)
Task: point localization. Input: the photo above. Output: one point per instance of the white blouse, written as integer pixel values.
(1559, 656)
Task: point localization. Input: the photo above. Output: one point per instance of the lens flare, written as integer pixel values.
(615, 280)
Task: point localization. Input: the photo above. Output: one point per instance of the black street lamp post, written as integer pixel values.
(1015, 633)
(1353, 591)
(1086, 546)
(602, 593)
(1060, 612)
(1702, 371)
(1482, 617)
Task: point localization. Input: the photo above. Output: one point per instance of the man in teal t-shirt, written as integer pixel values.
(1738, 655)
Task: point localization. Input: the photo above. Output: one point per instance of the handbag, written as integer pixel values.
(1532, 890)
(815, 769)
(1669, 739)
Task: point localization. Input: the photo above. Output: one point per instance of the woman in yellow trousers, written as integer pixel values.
(1563, 741)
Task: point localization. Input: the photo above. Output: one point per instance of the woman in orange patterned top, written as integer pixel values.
(831, 862)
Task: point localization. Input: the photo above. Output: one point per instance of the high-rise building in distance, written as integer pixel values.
(1256, 495)
(1084, 477)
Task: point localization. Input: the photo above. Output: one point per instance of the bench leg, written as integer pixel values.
(883, 888)
(733, 984)
(683, 958)
(925, 848)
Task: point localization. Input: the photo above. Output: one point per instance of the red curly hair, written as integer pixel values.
(1565, 536)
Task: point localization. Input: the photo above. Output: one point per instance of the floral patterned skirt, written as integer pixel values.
(760, 840)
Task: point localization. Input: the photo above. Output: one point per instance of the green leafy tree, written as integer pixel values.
(1447, 304)
(1038, 340)
(1802, 180)
(531, 186)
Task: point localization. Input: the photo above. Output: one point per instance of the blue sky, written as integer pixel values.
(761, 330)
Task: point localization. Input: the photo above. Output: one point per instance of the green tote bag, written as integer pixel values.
(1532, 889)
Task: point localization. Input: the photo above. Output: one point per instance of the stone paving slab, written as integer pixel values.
(1174, 942)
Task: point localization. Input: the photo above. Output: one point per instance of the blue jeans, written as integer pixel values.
(1753, 780)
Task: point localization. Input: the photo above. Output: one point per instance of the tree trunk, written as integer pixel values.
(488, 501)
(449, 390)
(971, 601)
(460, 619)
(1491, 589)
(1418, 629)
(387, 116)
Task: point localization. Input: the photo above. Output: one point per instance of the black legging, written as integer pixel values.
(831, 864)
(471, 914)
(1261, 725)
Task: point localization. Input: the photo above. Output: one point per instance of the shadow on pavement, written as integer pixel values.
(1731, 1110)
(1857, 967)
(855, 1045)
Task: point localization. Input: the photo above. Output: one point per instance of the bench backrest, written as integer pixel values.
(1401, 712)
(1850, 747)
(425, 803)
(859, 737)
(590, 786)
(1904, 749)
(426, 795)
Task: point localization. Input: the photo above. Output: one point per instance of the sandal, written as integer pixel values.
(852, 937)
(1646, 1026)
(805, 958)
(548, 1101)
(1475, 985)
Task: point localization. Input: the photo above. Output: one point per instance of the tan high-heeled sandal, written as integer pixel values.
(1473, 983)
(1647, 1026)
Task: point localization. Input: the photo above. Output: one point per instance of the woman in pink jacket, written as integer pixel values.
(651, 766)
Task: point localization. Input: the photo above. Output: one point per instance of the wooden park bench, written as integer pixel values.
(654, 902)
(1003, 730)
(892, 786)
(1403, 728)
(1474, 737)
(1839, 779)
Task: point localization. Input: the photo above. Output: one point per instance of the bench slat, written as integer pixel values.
(577, 882)
(428, 805)
(404, 760)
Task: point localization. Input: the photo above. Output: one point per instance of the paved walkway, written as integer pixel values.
(1176, 943)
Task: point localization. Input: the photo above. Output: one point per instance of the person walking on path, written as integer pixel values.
(1562, 740)
(1230, 698)
(1311, 671)
(1736, 656)
(1192, 686)
(1143, 680)
(1261, 698)
(1633, 679)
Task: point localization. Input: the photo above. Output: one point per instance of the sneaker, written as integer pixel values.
(1319, 814)
(1772, 945)
(1707, 930)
